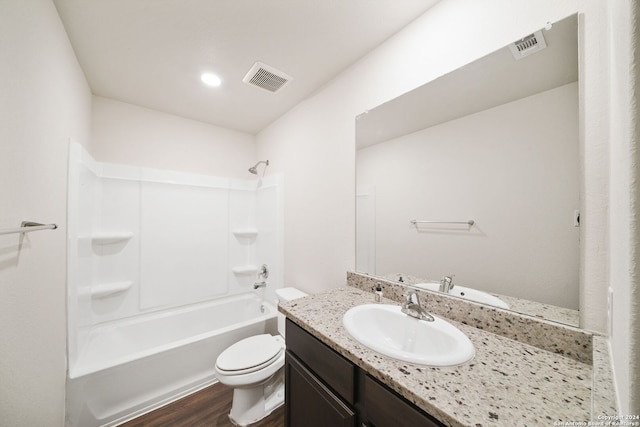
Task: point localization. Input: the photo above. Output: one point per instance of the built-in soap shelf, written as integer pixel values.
(107, 289)
(245, 236)
(245, 232)
(108, 238)
(245, 270)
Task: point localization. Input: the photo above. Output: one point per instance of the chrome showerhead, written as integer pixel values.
(254, 169)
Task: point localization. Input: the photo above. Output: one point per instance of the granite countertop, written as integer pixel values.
(508, 383)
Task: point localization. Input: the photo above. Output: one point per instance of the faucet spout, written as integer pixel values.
(412, 307)
(260, 284)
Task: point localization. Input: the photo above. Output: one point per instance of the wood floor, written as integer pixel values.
(207, 408)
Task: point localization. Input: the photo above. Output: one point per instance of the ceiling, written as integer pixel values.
(493, 80)
(151, 53)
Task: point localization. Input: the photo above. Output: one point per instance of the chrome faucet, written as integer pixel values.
(262, 274)
(446, 284)
(260, 284)
(412, 307)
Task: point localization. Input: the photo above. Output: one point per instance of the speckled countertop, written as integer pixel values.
(508, 383)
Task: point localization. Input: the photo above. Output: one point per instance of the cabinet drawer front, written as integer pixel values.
(336, 371)
(384, 408)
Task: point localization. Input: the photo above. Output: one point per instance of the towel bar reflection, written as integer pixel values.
(416, 222)
(28, 226)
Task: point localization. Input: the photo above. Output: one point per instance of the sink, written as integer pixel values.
(466, 293)
(385, 329)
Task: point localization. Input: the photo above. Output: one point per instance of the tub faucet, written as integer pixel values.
(446, 284)
(263, 275)
(412, 307)
(260, 284)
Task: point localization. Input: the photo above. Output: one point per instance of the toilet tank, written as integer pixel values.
(287, 294)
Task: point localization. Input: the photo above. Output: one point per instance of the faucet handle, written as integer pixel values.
(413, 308)
(263, 273)
(378, 292)
(411, 298)
(446, 284)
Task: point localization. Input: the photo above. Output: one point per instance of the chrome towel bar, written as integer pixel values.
(416, 222)
(28, 226)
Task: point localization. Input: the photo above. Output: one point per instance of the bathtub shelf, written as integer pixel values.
(108, 238)
(108, 289)
(245, 232)
(245, 270)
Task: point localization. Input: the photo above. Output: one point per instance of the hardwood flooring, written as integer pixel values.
(208, 407)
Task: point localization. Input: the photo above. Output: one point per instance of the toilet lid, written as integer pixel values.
(249, 352)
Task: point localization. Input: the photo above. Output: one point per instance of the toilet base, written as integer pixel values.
(255, 403)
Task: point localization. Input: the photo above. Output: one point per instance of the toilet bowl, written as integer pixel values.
(254, 368)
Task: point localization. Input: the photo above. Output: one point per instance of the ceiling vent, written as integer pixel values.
(528, 45)
(266, 77)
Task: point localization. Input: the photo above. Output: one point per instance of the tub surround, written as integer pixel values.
(562, 339)
(509, 382)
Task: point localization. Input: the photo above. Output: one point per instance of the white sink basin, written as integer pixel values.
(385, 329)
(466, 293)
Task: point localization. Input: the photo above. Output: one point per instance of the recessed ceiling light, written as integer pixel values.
(210, 79)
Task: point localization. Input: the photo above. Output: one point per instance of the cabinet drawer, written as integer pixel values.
(383, 408)
(336, 371)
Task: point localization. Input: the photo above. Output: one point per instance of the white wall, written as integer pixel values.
(127, 134)
(625, 216)
(513, 169)
(45, 100)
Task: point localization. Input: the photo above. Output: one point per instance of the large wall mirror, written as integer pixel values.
(476, 176)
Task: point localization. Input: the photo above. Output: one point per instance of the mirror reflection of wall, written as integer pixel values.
(498, 145)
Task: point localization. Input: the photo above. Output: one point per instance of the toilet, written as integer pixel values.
(254, 367)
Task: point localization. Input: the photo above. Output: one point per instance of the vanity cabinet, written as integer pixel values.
(382, 407)
(310, 403)
(324, 389)
(319, 383)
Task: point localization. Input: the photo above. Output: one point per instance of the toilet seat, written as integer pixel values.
(250, 355)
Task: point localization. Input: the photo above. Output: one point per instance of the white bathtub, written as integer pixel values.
(130, 367)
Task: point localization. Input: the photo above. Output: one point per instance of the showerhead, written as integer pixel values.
(254, 169)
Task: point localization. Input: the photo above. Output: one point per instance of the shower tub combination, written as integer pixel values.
(160, 272)
(132, 366)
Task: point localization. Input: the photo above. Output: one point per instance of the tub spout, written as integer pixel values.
(260, 284)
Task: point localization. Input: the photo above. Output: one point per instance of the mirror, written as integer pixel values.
(476, 176)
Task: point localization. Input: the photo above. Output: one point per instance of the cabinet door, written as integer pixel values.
(309, 403)
(335, 371)
(381, 407)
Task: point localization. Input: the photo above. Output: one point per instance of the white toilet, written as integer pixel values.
(254, 368)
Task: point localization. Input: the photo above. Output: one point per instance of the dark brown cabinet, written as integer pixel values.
(312, 403)
(382, 407)
(323, 389)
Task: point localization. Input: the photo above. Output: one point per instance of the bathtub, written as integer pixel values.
(132, 366)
